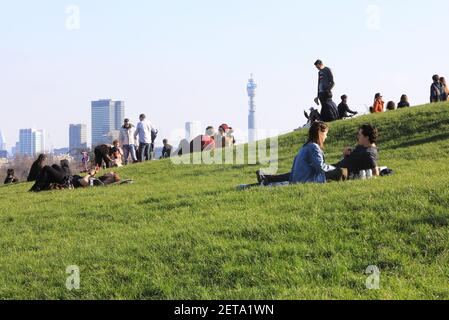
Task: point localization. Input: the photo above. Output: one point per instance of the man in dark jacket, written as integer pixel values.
(343, 108)
(103, 153)
(167, 150)
(325, 82)
(329, 110)
(436, 89)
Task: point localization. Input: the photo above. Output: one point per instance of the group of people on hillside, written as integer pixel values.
(135, 144)
(330, 111)
(60, 176)
(379, 104)
(208, 141)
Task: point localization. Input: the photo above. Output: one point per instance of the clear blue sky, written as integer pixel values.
(179, 60)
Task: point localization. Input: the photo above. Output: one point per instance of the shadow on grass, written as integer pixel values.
(417, 142)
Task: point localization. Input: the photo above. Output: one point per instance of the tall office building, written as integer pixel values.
(193, 129)
(107, 118)
(31, 142)
(251, 89)
(2, 141)
(77, 137)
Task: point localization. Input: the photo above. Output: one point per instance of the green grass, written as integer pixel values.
(183, 232)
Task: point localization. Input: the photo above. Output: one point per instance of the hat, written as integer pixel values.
(126, 120)
(318, 62)
(377, 96)
(224, 127)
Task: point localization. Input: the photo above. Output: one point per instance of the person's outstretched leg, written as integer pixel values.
(267, 179)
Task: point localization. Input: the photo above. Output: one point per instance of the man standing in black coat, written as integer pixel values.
(325, 82)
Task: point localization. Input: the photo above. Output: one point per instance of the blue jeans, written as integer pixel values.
(144, 149)
(129, 149)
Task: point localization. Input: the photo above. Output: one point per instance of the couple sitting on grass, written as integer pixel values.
(310, 166)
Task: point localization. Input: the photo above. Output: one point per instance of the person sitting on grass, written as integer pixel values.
(365, 155)
(404, 102)
(10, 177)
(343, 109)
(116, 154)
(391, 106)
(36, 168)
(378, 105)
(166, 150)
(309, 165)
(52, 175)
(204, 142)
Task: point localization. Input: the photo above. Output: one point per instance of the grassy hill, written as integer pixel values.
(184, 232)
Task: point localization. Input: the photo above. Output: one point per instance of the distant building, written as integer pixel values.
(193, 129)
(107, 119)
(3, 154)
(251, 89)
(2, 141)
(31, 142)
(77, 137)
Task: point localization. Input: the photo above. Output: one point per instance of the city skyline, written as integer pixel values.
(181, 61)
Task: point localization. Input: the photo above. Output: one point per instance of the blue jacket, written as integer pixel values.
(309, 165)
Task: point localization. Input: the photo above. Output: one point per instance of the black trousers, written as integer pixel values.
(323, 97)
(49, 175)
(101, 157)
(334, 175)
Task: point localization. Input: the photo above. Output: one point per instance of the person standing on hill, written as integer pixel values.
(404, 102)
(128, 142)
(436, 89)
(444, 89)
(378, 105)
(343, 108)
(144, 130)
(325, 82)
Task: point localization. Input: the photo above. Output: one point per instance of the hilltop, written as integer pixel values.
(184, 232)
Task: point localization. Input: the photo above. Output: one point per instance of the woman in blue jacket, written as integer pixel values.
(309, 165)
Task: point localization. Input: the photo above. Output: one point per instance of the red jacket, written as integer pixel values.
(378, 105)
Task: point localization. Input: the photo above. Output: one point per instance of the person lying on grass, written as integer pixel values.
(55, 177)
(310, 167)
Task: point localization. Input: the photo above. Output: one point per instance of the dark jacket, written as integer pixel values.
(325, 80)
(403, 104)
(166, 151)
(34, 172)
(329, 111)
(11, 179)
(343, 111)
(436, 91)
